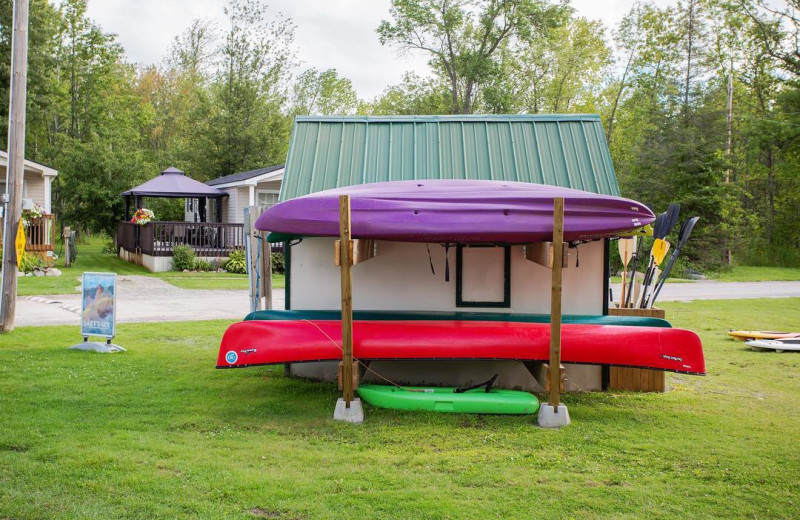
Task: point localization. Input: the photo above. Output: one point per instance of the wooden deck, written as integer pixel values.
(40, 234)
(208, 239)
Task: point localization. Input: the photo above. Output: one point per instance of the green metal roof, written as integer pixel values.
(560, 150)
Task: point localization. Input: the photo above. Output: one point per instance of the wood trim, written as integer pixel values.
(637, 379)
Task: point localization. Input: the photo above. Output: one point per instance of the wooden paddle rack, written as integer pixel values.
(360, 251)
(543, 253)
(637, 379)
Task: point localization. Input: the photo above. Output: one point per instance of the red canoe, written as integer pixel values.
(271, 342)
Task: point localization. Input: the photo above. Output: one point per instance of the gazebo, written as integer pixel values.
(151, 244)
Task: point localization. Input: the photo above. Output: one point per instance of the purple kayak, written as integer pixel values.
(456, 211)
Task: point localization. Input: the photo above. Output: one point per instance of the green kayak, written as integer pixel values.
(496, 401)
(578, 319)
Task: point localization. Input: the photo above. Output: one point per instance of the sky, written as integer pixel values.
(336, 34)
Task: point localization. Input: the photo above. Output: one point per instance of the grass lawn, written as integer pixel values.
(157, 432)
(91, 258)
(745, 273)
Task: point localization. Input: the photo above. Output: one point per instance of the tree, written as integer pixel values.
(464, 39)
(248, 128)
(413, 95)
(323, 93)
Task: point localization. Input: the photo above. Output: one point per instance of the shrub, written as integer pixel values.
(29, 262)
(203, 265)
(182, 258)
(278, 263)
(237, 262)
(109, 247)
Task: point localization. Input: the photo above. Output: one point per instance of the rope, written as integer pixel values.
(366, 367)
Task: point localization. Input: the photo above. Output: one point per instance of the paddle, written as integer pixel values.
(683, 235)
(658, 254)
(626, 248)
(660, 246)
(629, 300)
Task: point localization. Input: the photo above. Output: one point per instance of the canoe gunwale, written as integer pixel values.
(330, 360)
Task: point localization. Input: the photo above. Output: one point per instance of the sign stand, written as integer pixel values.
(98, 312)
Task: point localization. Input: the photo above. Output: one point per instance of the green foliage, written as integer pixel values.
(182, 258)
(109, 247)
(203, 265)
(278, 263)
(30, 261)
(323, 93)
(467, 42)
(237, 262)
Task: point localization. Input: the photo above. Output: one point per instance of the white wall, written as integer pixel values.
(35, 188)
(400, 278)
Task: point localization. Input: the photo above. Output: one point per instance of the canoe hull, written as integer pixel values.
(456, 211)
(497, 401)
(272, 342)
(744, 335)
(778, 345)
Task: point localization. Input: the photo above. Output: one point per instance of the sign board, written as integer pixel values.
(99, 304)
(19, 244)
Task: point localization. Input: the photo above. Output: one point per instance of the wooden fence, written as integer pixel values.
(159, 238)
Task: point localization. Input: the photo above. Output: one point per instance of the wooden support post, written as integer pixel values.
(555, 302)
(67, 240)
(347, 299)
(266, 271)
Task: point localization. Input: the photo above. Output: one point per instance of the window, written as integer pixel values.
(483, 276)
(266, 199)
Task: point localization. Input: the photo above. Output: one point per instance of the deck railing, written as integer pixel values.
(39, 233)
(159, 238)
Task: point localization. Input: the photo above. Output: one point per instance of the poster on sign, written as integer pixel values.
(99, 305)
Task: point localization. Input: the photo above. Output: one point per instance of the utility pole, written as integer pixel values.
(16, 163)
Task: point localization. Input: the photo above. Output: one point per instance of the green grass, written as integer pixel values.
(157, 432)
(91, 258)
(213, 280)
(745, 273)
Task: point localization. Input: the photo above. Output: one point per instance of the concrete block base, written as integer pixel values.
(548, 418)
(97, 346)
(354, 414)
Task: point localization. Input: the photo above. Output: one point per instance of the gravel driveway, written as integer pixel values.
(149, 299)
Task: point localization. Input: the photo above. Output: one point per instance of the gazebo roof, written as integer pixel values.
(173, 183)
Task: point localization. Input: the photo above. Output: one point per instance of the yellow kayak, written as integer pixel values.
(744, 335)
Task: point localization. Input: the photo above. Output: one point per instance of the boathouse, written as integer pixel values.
(561, 150)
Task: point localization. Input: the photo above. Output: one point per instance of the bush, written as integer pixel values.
(204, 265)
(29, 262)
(237, 262)
(109, 247)
(182, 258)
(278, 263)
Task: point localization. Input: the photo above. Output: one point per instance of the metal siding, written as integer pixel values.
(561, 150)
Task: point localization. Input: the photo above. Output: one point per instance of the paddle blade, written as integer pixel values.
(660, 248)
(658, 225)
(686, 229)
(626, 248)
(673, 212)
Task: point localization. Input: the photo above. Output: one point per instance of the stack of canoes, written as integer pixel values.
(460, 212)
